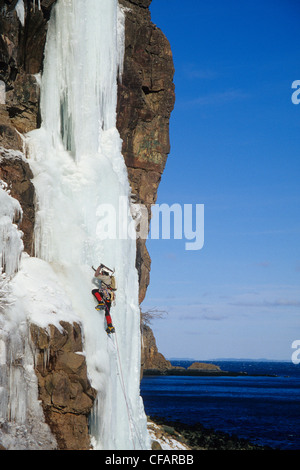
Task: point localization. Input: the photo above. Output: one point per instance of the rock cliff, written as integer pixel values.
(66, 394)
(145, 102)
(151, 357)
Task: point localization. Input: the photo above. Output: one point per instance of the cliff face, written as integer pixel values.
(21, 57)
(64, 389)
(145, 101)
(151, 357)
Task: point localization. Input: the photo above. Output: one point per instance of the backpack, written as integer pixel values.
(113, 284)
(109, 281)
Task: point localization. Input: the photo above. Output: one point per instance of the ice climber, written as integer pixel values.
(105, 294)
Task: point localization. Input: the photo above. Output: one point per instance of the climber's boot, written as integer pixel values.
(100, 306)
(110, 329)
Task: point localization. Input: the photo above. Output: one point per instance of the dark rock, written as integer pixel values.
(64, 389)
(156, 445)
(151, 358)
(197, 437)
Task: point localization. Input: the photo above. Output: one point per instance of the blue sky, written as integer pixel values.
(235, 140)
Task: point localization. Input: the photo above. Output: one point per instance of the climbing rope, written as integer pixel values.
(122, 383)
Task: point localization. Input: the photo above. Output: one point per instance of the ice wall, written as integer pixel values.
(11, 245)
(78, 170)
(22, 423)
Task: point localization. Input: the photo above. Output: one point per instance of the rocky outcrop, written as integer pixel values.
(204, 366)
(195, 437)
(64, 389)
(21, 57)
(151, 358)
(165, 437)
(154, 363)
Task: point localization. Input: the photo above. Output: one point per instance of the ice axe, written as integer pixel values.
(103, 266)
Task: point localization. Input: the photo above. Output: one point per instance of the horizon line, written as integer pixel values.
(262, 359)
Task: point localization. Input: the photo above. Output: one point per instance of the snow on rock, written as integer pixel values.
(10, 154)
(165, 440)
(44, 301)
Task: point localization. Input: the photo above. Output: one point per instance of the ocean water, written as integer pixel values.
(258, 407)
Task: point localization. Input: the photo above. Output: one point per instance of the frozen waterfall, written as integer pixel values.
(78, 169)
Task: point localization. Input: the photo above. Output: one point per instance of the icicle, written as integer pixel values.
(34, 5)
(121, 40)
(46, 357)
(20, 10)
(11, 245)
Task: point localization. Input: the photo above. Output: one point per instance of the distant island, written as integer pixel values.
(196, 369)
(154, 363)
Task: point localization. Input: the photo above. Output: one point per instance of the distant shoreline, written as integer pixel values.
(201, 373)
(198, 371)
(229, 359)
